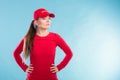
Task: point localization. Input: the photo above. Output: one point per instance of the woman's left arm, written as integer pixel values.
(68, 52)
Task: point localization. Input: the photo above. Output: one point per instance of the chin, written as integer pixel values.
(46, 27)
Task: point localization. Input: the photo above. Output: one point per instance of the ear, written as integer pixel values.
(35, 22)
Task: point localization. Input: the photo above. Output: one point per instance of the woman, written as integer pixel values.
(40, 45)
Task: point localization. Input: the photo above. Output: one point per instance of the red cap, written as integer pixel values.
(41, 13)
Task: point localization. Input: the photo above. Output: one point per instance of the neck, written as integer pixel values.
(42, 32)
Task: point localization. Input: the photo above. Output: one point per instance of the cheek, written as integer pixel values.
(41, 23)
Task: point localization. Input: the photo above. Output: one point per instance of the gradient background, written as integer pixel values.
(90, 27)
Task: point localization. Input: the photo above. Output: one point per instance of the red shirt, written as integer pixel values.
(43, 56)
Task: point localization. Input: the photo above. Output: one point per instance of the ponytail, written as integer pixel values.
(28, 41)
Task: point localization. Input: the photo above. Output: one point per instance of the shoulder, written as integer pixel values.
(55, 34)
(57, 37)
(23, 39)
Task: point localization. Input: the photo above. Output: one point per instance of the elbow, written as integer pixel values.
(15, 53)
(70, 55)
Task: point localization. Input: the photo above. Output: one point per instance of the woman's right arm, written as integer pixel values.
(18, 50)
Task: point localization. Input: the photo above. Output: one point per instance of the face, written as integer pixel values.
(43, 23)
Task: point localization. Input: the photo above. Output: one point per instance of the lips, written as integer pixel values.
(47, 24)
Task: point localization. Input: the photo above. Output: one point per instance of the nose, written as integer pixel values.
(48, 20)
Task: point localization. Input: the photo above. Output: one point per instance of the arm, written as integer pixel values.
(68, 53)
(18, 50)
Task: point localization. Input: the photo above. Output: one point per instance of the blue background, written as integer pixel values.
(90, 27)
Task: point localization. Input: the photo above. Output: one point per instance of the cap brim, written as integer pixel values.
(52, 15)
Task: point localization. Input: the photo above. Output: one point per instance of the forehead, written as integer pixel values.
(45, 17)
(41, 19)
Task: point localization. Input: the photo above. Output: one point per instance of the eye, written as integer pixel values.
(46, 18)
(49, 18)
(43, 18)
